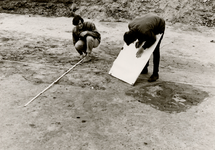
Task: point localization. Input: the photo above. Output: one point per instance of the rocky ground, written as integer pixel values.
(198, 12)
(91, 110)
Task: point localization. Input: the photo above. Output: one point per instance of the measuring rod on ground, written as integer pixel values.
(54, 82)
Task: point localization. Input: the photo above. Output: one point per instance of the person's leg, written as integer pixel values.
(156, 59)
(91, 43)
(96, 43)
(80, 46)
(156, 62)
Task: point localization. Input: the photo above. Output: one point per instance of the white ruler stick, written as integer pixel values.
(53, 82)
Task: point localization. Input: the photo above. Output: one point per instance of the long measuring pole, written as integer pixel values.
(53, 82)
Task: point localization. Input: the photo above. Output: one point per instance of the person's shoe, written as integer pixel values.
(144, 71)
(153, 77)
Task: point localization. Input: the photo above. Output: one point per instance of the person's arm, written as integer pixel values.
(139, 52)
(150, 39)
(139, 43)
(74, 36)
(91, 31)
(141, 38)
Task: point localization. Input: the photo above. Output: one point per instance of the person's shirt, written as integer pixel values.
(146, 28)
(87, 26)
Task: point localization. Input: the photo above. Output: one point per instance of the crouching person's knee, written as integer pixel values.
(92, 42)
(80, 45)
(90, 39)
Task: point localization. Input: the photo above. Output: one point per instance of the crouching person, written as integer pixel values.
(85, 37)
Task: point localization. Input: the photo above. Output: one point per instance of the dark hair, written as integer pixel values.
(129, 37)
(76, 20)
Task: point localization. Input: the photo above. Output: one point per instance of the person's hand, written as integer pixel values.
(82, 34)
(88, 53)
(82, 56)
(139, 52)
(137, 44)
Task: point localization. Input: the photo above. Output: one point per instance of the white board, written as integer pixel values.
(127, 67)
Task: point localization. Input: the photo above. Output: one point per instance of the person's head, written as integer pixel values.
(129, 37)
(78, 21)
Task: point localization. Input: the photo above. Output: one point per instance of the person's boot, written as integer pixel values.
(153, 77)
(144, 71)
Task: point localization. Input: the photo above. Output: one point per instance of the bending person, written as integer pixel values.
(145, 29)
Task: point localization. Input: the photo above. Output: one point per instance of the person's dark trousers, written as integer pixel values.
(156, 59)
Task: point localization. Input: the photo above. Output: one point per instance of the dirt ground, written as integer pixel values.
(91, 110)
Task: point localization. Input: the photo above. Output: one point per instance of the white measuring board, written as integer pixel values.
(127, 67)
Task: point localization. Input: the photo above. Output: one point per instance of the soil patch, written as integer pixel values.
(168, 96)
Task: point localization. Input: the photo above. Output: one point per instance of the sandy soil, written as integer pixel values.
(90, 110)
